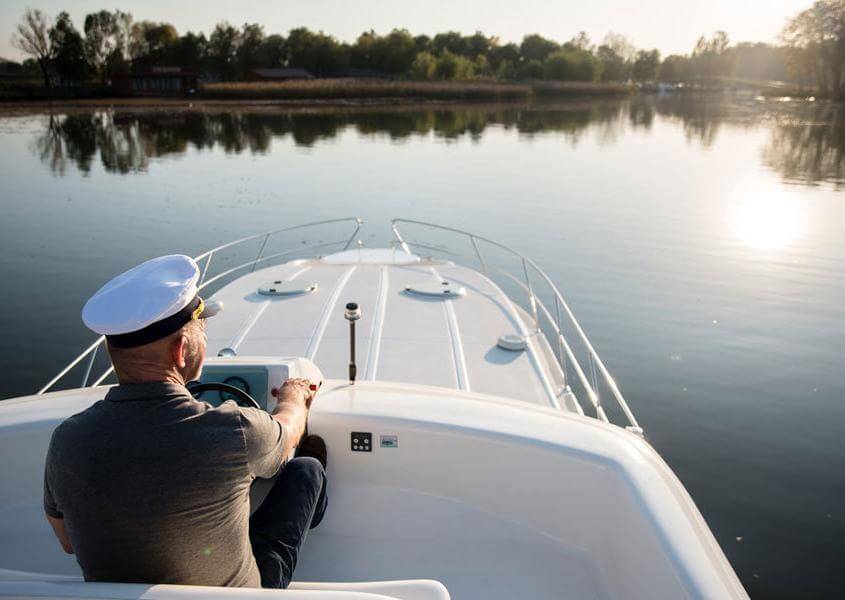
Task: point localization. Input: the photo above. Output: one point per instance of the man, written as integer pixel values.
(150, 485)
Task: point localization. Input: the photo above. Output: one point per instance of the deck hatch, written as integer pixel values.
(286, 288)
(442, 289)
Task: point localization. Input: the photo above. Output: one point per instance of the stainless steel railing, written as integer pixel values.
(589, 379)
(204, 260)
(596, 372)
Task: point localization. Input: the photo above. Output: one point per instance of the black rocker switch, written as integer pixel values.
(362, 441)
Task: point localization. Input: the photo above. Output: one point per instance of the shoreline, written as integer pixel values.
(323, 92)
(15, 108)
(387, 105)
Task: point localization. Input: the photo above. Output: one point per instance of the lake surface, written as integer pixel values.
(701, 243)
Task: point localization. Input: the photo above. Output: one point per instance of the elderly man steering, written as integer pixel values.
(149, 485)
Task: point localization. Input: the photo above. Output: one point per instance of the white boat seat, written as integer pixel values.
(407, 589)
(418, 589)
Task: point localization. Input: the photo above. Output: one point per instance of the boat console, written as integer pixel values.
(259, 376)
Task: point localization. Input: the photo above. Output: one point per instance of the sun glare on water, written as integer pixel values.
(768, 219)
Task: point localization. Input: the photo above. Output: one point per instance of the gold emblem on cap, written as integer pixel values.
(196, 314)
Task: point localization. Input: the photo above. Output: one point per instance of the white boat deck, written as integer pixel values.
(403, 337)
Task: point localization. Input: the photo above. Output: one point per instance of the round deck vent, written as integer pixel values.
(287, 288)
(432, 289)
(513, 342)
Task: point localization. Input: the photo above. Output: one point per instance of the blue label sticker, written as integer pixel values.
(389, 441)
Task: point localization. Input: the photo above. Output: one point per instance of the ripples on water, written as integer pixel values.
(698, 240)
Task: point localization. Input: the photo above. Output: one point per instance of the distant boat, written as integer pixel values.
(472, 455)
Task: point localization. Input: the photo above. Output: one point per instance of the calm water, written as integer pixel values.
(701, 244)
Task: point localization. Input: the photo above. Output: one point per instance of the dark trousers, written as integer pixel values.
(295, 504)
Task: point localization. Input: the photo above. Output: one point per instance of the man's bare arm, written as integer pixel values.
(291, 411)
(59, 529)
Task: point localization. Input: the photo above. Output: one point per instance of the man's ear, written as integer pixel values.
(179, 350)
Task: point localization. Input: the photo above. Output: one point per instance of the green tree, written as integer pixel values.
(499, 54)
(530, 69)
(152, 40)
(452, 66)
(33, 39)
(646, 65)
(318, 53)
(393, 53)
(67, 50)
(480, 44)
(536, 47)
(424, 66)
(452, 41)
(248, 53)
(190, 51)
(674, 69)
(710, 57)
(507, 71)
(611, 66)
(570, 64)
(422, 43)
(481, 67)
(272, 51)
(223, 44)
(107, 38)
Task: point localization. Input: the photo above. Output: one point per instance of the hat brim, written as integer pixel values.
(208, 308)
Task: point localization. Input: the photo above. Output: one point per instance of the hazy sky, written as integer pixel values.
(669, 25)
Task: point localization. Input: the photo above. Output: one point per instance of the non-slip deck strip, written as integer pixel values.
(461, 375)
(378, 325)
(320, 329)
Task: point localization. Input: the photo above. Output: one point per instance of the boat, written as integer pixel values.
(479, 446)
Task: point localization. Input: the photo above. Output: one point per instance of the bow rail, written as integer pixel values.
(205, 259)
(590, 379)
(596, 374)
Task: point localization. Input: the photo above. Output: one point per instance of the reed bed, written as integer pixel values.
(362, 89)
(339, 89)
(578, 89)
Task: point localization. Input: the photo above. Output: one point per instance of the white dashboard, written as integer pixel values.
(259, 376)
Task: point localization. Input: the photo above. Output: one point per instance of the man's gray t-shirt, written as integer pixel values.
(153, 486)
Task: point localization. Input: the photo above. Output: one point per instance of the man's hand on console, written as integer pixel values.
(296, 389)
(294, 400)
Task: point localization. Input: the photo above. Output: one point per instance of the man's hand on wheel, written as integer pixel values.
(298, 389)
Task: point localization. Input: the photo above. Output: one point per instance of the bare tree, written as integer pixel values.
(621, 45)
(33, 38)
(816, 38)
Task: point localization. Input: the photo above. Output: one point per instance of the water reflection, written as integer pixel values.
(768, 218)
(806, 142)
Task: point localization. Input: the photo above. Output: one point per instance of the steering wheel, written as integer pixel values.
(241, 397)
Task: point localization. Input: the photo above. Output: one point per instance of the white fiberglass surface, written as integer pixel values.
(476, 554)
(400, 337)
(492, 498)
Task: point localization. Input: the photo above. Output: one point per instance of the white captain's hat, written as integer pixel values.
(148, 302)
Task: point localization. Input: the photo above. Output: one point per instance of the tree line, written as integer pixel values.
(110, 42)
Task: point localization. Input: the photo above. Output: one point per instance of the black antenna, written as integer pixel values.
(352, 314)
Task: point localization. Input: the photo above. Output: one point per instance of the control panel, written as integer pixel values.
(362, 441)
(252, 380)
(258, 376)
